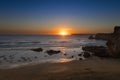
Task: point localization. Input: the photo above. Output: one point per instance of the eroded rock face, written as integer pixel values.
(114, 43)
(114, 47)
(99, 51)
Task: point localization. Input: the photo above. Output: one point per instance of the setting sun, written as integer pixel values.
(64, 33)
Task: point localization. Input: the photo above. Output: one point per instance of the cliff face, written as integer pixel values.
(114, 43)
(117, 30)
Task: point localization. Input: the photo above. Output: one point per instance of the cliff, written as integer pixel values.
(113, 44)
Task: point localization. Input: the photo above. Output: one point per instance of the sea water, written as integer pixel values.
(15, 50)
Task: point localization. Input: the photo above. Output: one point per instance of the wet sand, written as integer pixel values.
(89, 69)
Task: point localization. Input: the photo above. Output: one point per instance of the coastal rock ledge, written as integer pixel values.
(113, 44)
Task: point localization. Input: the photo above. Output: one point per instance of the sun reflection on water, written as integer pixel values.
(64, 60)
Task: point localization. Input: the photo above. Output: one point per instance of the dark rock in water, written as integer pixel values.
(80, 59)
(71, 57)
(37, 50)
(19, 60)
(35, 57)
(2, 56)
(23, 58)
(51, 52)
(100, 51)
(65, 54)
(91, 37)
(86, 54)
(79, 54)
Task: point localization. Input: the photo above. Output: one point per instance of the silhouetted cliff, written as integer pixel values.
(113, 44)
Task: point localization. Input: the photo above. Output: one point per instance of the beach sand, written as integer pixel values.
(89, 69)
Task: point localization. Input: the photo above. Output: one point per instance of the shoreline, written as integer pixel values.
(89, 69)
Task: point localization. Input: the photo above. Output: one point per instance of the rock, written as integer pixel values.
(91, 37)
(116, 30)
(71, 56)
(35, 57)
(23, 58)
(114, 43)
(103, 36)
(106, 36)
(80, 59)
(65, 54)
(51, 52)
(86, 54)
(100, 51)
(37, 50)
(79, 54)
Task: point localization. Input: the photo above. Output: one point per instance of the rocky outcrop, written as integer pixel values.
(117, 30)
(113, 44)
(101, 36)
(99, 51)
(91, 37)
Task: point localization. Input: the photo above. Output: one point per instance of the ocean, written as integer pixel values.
(15, 50)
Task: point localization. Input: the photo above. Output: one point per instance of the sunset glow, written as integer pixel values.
(64, 33)
(50, 17)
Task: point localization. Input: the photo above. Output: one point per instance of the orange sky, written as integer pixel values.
(56, 30)
(53, 16)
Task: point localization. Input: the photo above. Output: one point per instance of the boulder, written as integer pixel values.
(91, 37)
(86, 54)
(80, 58)
(37, 50)
(51, 52)
(79, 54)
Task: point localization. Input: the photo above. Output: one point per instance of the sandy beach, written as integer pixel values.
(89, 69)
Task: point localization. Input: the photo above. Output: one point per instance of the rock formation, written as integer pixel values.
(100, 51)
(113, 44)
(51, 52)
(101, 36)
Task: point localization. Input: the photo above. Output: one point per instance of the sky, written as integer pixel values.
(51, 16)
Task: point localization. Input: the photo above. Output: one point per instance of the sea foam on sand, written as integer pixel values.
(10, 58)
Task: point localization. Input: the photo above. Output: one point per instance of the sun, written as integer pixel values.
(63, 33)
